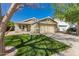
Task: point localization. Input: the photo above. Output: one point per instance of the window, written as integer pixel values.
(62, 25)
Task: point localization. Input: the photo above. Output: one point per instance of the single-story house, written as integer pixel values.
(45, 25)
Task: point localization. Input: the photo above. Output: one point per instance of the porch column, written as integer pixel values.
(25, 28)
(21, 27)
(17, 28)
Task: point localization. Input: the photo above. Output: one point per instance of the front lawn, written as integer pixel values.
(35, 45)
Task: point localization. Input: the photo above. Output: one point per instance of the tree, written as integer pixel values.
(5, 19)
(68, 12)
(10, 26)
(0, 13)
(14, 7)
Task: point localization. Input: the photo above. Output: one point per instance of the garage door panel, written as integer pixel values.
(42, 29)
(51, 29)
(47, 29)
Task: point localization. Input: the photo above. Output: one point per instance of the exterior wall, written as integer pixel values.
(25, 29)
(20, 27)
(38, 28)
(33, 28)
(62, 26)
(47, 28)
(30, 21)
(43, 28)
(17, 27)
(48, 21)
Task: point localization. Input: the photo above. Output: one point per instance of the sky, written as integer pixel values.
(27, 12)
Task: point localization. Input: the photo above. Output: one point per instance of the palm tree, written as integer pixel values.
(68, 12)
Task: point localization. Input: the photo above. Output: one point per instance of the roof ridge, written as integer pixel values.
(30, 19)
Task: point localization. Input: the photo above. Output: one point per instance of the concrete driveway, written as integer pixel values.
(71, 40)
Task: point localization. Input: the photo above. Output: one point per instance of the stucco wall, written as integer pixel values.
(39, 28)
(17, 27)
(47, 28)
(62, 25)
(33, 28)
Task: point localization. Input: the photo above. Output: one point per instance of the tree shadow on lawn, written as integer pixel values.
(39, 45)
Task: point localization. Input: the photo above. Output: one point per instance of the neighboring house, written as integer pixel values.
(62, 25)
(45, 25)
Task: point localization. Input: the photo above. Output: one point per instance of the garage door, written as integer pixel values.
(51, 29)
(47, 29)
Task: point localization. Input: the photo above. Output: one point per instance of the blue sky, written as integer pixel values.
(28, 12)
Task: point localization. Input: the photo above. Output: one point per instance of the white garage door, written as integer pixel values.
(47, 29)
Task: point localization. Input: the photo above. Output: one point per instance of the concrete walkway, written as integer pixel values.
(11, 51)
(71, 40)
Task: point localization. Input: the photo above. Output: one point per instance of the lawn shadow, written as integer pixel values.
(35, 49)
(35, 45)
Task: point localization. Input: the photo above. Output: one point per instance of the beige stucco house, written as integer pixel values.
(45, 25)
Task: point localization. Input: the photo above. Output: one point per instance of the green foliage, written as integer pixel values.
(38, 45)
(67, 11)
(10, 24)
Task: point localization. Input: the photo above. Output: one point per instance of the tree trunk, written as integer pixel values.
(8, 31)
(6, 18)
(77, 28)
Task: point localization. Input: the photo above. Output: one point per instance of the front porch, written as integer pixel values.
(22, 27)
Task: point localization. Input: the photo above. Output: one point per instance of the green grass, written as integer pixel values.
(36, 45)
